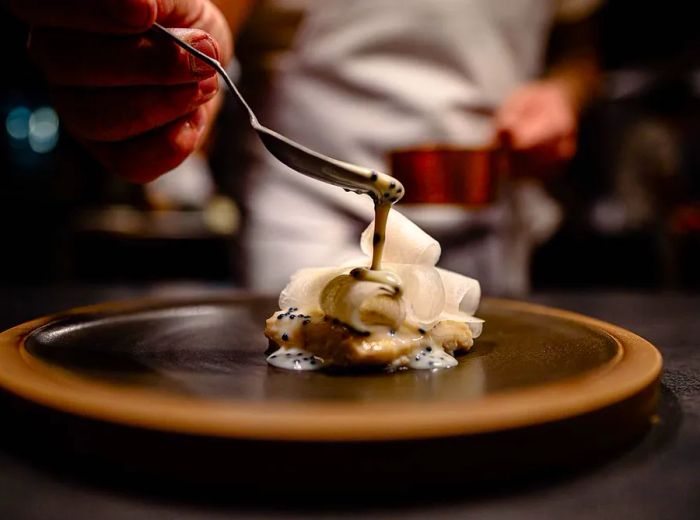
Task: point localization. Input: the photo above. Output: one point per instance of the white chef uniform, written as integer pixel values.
(364, 77)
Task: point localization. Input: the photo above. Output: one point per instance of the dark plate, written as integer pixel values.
(216, 350)
(198, 367)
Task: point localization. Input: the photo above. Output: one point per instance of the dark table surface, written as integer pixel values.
(657, 477)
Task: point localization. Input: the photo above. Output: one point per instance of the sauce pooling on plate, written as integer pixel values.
(294, 358)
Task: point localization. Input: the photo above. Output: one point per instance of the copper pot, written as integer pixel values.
(447, 175)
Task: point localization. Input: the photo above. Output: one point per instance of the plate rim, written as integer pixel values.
(635, 368)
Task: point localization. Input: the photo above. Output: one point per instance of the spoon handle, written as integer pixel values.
(213, 63)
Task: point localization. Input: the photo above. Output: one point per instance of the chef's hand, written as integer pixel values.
(539, 123)
(138, 102)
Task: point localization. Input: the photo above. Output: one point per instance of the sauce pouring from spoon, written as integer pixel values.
(382, 188)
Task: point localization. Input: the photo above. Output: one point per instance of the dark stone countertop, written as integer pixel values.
(659, 477)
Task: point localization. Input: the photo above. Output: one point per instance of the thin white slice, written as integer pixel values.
(462, 294)
(423, 292)
(305, 286)
(406, 243)
(476, 325)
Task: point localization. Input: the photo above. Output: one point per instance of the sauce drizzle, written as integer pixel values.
(385, 192)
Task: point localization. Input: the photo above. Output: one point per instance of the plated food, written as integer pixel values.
(398, 312)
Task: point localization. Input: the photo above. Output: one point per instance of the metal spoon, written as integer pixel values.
(381, 187)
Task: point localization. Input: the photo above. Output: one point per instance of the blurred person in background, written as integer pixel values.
(354, 80)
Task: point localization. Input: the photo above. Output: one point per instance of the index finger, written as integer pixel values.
(115, 16)
(511, 112)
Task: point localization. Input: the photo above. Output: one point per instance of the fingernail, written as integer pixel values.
(133, 13)
(208, 86)
(207, 46)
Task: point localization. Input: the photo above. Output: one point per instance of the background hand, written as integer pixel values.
(539, 120)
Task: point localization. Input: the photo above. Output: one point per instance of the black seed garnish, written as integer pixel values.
(429, 349)
(285, 337)
(387, 195)
(280, 316)
(288, 354)
(376, 238)
(392, 185)
(299, 353)
(392, 332)
(273, 356)
(399, 190)
(431, 363)
(374, 176)
(422, 331)
(313, 361)
(393, 199)
(306, 322)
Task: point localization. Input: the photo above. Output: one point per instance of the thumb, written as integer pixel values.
(198, 14)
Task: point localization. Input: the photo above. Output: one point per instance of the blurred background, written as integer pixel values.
(630, 196)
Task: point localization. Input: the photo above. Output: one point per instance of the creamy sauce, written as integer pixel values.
(431, 357)
(385, 193)
(294, 358)
(381, 214)
(386, 278)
